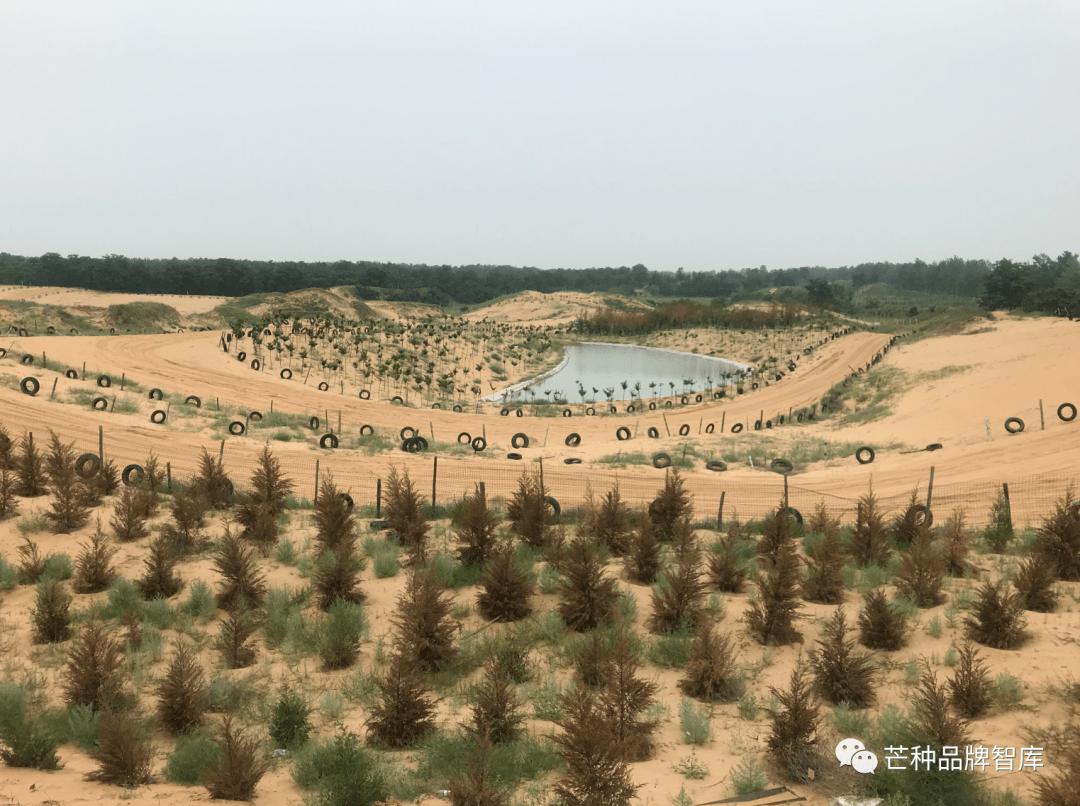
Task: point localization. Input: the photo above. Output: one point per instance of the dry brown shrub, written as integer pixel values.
(679, 595)
(870, 540)
(424, 626)
(528, 512)
(908, 524)
(31, 563)
(957, 542)
(475, 787)
(672, 504)
(608, 522)
(793, 734)
(1034, 581)
(1059, 537)
(243, 764)
(587, 598)
(824, 582)
(407, 710)
(624, 698)
(997, 620)
(94, 571)
(643, 563)
(820, 522)
(771, 616)
(50, 619)
(183, 694)
(235, 640)
(880, 627)
(69, 510)
(124, 752)
(922, 569)
(476, 529)
(129, 519)
(840, 673)
(710, 674)
(506, 590)
(241, 576)
(778, 532)
(159, 578)
(595, 772)
(30, 469)
(405, 513)
(1061, 787)
(932, 718)
(336, 577)
(333, 517)
(94, 672)
(212, 483)
(969, 689)
(9, 503)
(188, 508)
(497, 712)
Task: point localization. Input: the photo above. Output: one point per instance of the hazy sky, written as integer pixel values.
(707, 135)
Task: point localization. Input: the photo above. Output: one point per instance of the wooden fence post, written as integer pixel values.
(315, 500)
(720, 512)
(723, 418)
(434, 476)
(1042, 420)
(168, 475)
(100, 443)
(930, 488)
(1008, 504)
(378, 498)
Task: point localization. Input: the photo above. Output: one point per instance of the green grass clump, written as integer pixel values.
(289, 725)
(671, 650)
(200, 603)
(340, 772)
(123, 597)
(25, 741)
(281, 604)
(748, 776)
(33, 524)
(9, 575)
(695, 725)
(445, 755)
(194, 753)
(157, 613)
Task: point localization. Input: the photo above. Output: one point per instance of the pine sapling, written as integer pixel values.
(94, 570)
(771, 617)
(407, 709)
(528, 512)
(643, 563)
(1059, 537)
(212, 483)
(423, 623)
(624, 698)
(9, 483)
(69, 510)
(881, 627)
(405, 513)
(240, 574)
(94, 672)
(922, 569)
(506, 590)
(957, 544)
(870, 540)
(124, 753)
(710, 674)
(997, 620)
(587, 597)
(476, 529)
(679, 595)
(933, 719)
(30, 469)
(497, 713)
(159, 578)
(1034, 581)
(183, 694)
(595, 772)
(841, 674)
(969, 690)
(243, 764)
(50, 619)
(824, 582)
(793, 735)
(672, 504)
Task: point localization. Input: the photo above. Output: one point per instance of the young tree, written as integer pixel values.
(94, 571)
(9, 504)
(476, 529)
(183, 694)
(159, 578)
(840, 673)
(870, 541)
(710, 673)
(497, 714)
(793, 735)
(241, 576)
(1059, 537)
(212, 483)
(643, 563)
(824, 581)
(129, 519)
(587, 597)
(30, 469)
(672, 504)
(424, 626)
(771, 616)
(922, 570)
(94, 672)
(405, 513)
(407, 710)
(880, 627)
(506, 590)
(623, 700)
(528, 512)
(678, 597)
(608, 522)
(595, 773)
(69, 510)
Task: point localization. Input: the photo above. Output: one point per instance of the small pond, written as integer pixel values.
(646, 371)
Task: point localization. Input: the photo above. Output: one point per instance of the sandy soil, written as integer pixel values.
(50, 295)
(535, 308)
(1006, 369)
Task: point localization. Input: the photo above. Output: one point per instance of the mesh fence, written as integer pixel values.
(447, 479)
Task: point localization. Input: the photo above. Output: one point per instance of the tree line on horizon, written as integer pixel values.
(1043, 284)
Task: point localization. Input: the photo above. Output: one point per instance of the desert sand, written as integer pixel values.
(951, 387)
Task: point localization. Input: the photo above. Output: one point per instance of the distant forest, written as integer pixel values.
(1042, 284)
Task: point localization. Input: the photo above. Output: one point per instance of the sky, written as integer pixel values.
(703, 135)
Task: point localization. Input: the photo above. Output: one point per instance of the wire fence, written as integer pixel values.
(443, 480)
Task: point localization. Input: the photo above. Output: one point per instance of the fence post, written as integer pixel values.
(930, 487)
(329, 427)
(541, 472)
(378, 498)
(1008, 504)
(434, 476)
(339, 422)
(168, 475)
(701, 419)
(315, 500)
(53, 392)
(720, 512)
(664, 415)
(123, 377)
(483, 493)
(785, 492)
(1042, 420)
(100, 443)
(723, 417)
(546, 430)
(84, 370)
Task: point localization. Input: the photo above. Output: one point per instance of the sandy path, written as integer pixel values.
(50, 295)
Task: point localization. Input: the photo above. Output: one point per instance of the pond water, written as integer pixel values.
(600, 367)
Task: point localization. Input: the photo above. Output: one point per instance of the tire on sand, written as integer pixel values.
(865, 455)
(661, 460)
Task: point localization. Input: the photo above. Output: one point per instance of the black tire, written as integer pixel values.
(654, 433)
(668, 404)
(622, 433)
(768, 423)
(323, 386)
(613, 409)
(436, 405)
(921, 509)
(551, 502)
(133, 475)
(3, 351)
(934, 446)
(349, 503)
(757, 425)
(256, 364)
(365, 394)
(241, 356)
(478, 444)
(457, 408)
(754, 385)
(513, 456)
(684, 399)
(314, 423)
(573, 440)
(865, 455)
(710, 427)
(740, 390)
(467, 438)
(194, 401)
(24, 332)
(396, 399)
(716, 467)
(369, 430)
(30, 386)
(87, 465)
(237, 428)
(255, 416)
(590, 411)
(155, 418)
(104, 404)
(519, 440)
(285, 374)
(717, 395)
(156, 394)
(781, 419)
(735, 429)
(519, 412)
(72, 374)
(1066, 406)
(652, 405)
(798, 417)
(27, 359)
(408, 432)
(567, 413)
(104, 381)
(572, 461)
(781, 465)
(794, 513)
(697, 398)
(1014, 425)
(661, 460)
(505, 412)
(328, 441)
(684, 429)
(411, 445)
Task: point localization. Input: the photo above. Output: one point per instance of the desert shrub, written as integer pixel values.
(83, 723)
(695, 724)
(9, 575)
(31, 563)
(1034, 582)
(997, 620)
(587, 597)
(194, 753)
(258, 515)
(336, 576)
(727, 562)
(591, 656)
(69, 510)
(671, 650)
(129, 516)
(50, 619)
(334, 521)
(999, 531)
(235, 639)
(922, 568)
(406, 711)
(405, 513)
(24, 739)
(595, 771)
(103, 483)
(748, 776)
(497, 712)
(93, 675)
(824, 581)
(679, 595)
(339, 636)
(969, 690)
(474, 787)
(242, 765)
(932, 717)
(528, 512)
(506, 588)
(793, 734)
(242, 578)
(423, 622)
(870, 539)
(624, 700)
(159, 577)
(476, 529)
(673, 503)
(289, 725)
(9, 504)
(957, 542)
(771, 616)
(124, 752)
(1059, 537)
(30, 469)
(94, 571)
(710, 674)
(183, 695)
(341, 772)
(608, 522)
(840, 673)
(643, 563)
(880, 626)
(188, 508)
(1060, 788)
(212, 483)
(200, 603)
(820, 522)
